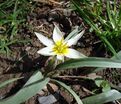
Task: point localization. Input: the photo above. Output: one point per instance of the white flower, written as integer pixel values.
(58, 46)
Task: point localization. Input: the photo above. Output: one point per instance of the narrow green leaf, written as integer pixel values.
(9, 81)
(119, 20)
(104, 22)
(69, 90)
(85, 17)
(108, 44)
(33, 85)
(90, 62)
(109, 14)
(103, 97)
(75, 31)
(118, 57)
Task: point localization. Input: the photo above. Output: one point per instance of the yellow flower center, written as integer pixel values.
(60, 47)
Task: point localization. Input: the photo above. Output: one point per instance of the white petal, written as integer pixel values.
(74, 40)
(74, 54)
(44, 40)
(60, 57)
(47, 51)
(57, 34)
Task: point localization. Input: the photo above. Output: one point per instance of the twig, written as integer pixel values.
(117, 102)
(75, 77)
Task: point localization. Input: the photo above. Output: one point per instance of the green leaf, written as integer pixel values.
(103, 84)
(85, 17)
(90, 62)
(103, 97)
(118, 57)
(33, 85)
(109, 14)
(98, 82)
(119, 20)
(9, 81)
(109, 45)
(75, 31)
(88, 20)
(69, 90)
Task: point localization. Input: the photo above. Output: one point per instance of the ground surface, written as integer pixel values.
(24, 59)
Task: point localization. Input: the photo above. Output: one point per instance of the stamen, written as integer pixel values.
(60, 47)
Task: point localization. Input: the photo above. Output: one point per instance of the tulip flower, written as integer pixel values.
(58, 46)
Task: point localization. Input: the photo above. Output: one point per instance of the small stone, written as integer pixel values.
(50, 99)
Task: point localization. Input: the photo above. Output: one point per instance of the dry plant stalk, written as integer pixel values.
(50, 2)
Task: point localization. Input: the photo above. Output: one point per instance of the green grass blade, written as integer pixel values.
(103, 97)
(9, 81)
(85, 17)
(33, 85)
(69, 90)
(109, 14)
(110, 47)
(90, 62)
(6, 4)
(104, 22)
(119, 20)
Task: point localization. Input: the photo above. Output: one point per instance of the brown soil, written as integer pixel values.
(24, 60)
